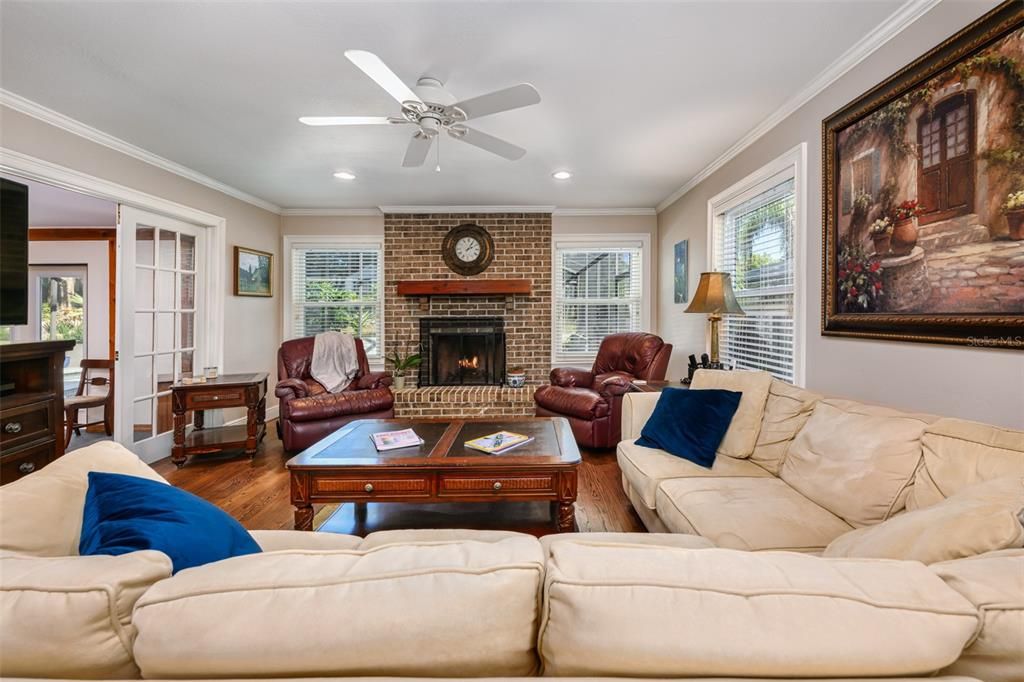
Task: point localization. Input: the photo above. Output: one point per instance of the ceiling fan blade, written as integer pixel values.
(346, 120)
(372, 66)
(487, 142)
(416, 152)
(522, 95)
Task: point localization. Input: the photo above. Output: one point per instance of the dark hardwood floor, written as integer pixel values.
(256, 493)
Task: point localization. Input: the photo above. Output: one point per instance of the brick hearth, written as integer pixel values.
(464, 401)
(522, 245)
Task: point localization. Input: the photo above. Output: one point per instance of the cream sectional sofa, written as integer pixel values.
(498, 605)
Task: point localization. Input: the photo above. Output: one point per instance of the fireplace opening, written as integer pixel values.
(462, 351)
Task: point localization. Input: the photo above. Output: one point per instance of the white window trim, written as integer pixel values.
(598, 241)
(793, 164)
(292, 241)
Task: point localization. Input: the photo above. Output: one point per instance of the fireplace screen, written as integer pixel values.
(460, 351)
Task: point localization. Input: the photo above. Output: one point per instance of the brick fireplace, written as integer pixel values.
(412, 251)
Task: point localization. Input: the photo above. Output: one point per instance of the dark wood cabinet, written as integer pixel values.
(31, 406)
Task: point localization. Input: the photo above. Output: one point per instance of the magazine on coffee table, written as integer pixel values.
(497, 443)
(393, 440)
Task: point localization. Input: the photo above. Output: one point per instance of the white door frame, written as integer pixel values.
(54, 174)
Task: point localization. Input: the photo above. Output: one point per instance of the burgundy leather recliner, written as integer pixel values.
(309, 412)
(592, 400)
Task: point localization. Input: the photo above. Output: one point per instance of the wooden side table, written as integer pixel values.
(228, 390)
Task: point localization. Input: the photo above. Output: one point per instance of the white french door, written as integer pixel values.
(161, 302)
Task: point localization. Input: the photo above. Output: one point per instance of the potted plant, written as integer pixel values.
(1014, 211)
(400, 363)
(860, 281)
(881, 234)
(515, 377)
(904, 227)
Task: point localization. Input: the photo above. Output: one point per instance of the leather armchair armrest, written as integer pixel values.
(374, 380)
(571, 376)
(291, 388)
(612, 384)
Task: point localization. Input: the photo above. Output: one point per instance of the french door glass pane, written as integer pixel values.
(188, 252)
(144, 375)
(144, 288)
(144, 246)
(143, 332)
(188, 291)
(168, 248)
(142, 412)
(164, 290)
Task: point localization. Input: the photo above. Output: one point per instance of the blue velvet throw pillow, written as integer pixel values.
(125, 514)
(690, 423)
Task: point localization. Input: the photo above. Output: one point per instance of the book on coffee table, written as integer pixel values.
(499, 442)
(393, 440)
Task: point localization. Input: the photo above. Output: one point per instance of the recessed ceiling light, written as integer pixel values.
(345, 175)
(561, 175)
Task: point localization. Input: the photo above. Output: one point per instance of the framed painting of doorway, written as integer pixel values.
(923, 196)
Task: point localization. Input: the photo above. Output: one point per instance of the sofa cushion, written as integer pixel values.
(690, 424)
(466, 609)
(785, 412)
(126, 514)
(72, 616)
(747, 513)
(645, 468)
(281, 540)
(856, 460)
(425, 535)
(982, 518)
(677, 540)
(959, 453)
(655, 611)
(994, 583)
(41, 514)
(741, 437)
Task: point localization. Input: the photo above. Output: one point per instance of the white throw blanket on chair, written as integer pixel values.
(335, 361)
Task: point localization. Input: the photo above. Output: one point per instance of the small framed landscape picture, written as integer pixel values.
(681, 272)
(254, 272)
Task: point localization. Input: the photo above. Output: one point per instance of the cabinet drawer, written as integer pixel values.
(25, 424)
(208, 400)
(370, 487)
(24, 462)
(456, 485)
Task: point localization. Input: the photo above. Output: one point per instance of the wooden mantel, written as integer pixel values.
(465, 287)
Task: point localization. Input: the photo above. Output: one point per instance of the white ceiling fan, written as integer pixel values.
(433, 109)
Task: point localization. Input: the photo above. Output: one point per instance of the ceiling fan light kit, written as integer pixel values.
(432, 109)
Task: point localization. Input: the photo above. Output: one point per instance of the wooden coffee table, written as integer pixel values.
(346, 467)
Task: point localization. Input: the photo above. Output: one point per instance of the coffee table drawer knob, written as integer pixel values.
(368, 487)
(497, 485)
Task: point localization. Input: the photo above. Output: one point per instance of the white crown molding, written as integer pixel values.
(40, 170)
(894, 24)
(603, 211)
(467, 209)
(75, 127)
(331, 212)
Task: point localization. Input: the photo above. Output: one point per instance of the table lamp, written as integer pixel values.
(715, 297)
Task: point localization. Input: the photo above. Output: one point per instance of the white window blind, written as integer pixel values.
(753, 241)
(598, 291)
(337, 288)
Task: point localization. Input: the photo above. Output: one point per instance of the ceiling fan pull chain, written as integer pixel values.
(437, 168)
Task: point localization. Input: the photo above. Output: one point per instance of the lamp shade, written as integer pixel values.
(715, 295)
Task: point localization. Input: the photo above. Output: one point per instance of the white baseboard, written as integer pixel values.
(272, 413)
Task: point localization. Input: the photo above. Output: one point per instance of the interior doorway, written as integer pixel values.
(72, 291)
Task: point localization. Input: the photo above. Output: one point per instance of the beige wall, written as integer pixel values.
(972, 383)
(358, 225)
(252, 326)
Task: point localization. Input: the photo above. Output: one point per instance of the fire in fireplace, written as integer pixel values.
(461, 351)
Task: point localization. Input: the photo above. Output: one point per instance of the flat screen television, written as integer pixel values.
(13, 253)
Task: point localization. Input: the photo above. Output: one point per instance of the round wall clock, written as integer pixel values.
(468, 249)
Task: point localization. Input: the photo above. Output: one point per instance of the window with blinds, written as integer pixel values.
(753, 241)
(597, 292)
(337, 288)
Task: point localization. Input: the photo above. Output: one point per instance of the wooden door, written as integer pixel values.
(946, 141)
